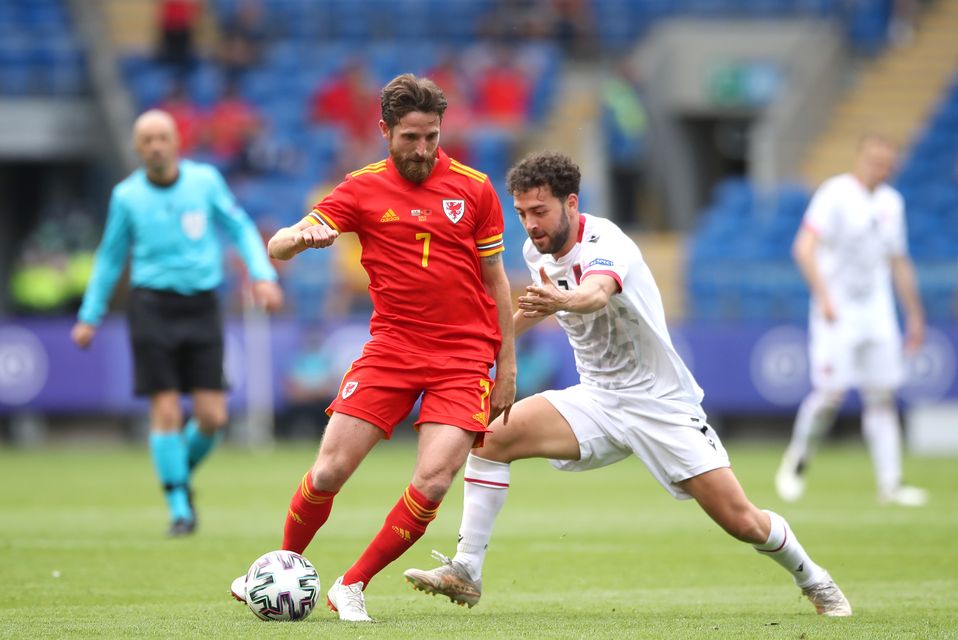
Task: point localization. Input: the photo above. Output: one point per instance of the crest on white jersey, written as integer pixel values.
(454, 209)
(194, 224)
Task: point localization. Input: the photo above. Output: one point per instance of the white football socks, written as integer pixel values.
(485, 488)
(815, 417)
(882, 436)
(784, 548)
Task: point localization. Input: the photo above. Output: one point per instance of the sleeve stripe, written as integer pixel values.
(361, 172)
(603, 272)
(468, 170)
(326, 219)
(485, 246)
(482, 241)
(478, 178)
(312, 218)
(485, 253)
(375, 167)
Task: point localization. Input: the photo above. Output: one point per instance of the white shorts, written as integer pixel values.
(840, 360)
(612, 425)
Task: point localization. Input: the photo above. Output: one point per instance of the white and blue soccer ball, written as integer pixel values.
(281, 585)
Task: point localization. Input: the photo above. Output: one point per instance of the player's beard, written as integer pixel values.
(558, 239)
(412, 167)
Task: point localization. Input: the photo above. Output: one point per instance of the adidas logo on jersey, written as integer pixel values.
(389, 216)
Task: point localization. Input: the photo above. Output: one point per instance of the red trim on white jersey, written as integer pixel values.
(603, 272)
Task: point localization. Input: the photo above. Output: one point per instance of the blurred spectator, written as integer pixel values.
(233, 125)
(569, 23)
(625, 129)
(573, 27)
(268, 153)
(513, 19)
(350, 102)
(55, 262)
(901, 27)
(503, 92)
(177, 22)
(187, 115)
(242, 37)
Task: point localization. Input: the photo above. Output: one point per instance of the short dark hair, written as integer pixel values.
(546, 168)
(407, 93)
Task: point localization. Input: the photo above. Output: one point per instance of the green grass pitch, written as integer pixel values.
(603, 554)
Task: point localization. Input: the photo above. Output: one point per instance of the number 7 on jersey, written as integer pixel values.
(425, 237)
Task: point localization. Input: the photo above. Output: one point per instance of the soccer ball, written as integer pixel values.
(281, 585)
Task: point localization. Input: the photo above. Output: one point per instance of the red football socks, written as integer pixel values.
(405, 524)
(308, 511)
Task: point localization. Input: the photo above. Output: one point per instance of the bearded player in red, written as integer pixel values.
(431, 234)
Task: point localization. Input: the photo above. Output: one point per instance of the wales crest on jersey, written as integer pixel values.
(454, 209)
(349, 388)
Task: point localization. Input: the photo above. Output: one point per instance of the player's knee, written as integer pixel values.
(328, 476)
(433, 483)
(497, 449)
(878, 398)
(212, 418)
(166, 420)
(831, 401)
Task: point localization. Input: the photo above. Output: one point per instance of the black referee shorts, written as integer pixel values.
(177, 341)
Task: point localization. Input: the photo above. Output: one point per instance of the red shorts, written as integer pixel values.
(382, 386)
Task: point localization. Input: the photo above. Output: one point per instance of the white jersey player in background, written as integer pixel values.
(635, 396)
(851, 245)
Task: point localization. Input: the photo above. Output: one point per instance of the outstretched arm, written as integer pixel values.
(523, 323)
(541, 301)
(291, 241)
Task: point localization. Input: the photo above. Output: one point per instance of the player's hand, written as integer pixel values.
(82, 334)
(828, 311)
(914, 334)
(316, 236)
(541, 301)
(267, 295)
(502, 397)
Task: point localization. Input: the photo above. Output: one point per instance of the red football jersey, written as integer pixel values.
(421, 245)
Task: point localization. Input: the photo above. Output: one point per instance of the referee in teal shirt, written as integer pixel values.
(166, 216)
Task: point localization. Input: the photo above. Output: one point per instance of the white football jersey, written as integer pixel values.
(626, 345)
(859, 232)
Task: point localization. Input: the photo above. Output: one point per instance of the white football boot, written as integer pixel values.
(789, 483)
(238, 588)
(450, 579)
(904, 496)
(348, 601)
(828, 598)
